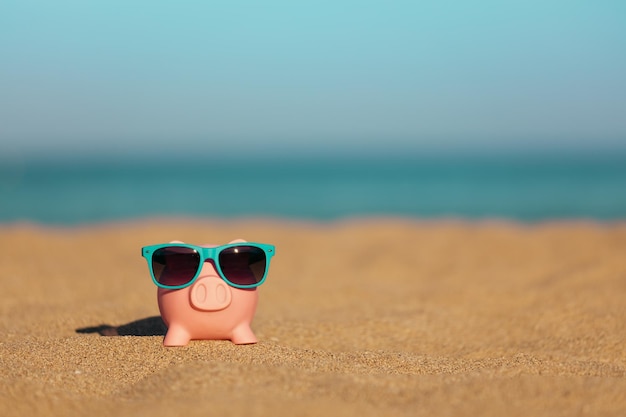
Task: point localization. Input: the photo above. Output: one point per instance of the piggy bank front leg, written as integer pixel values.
(242, 335)
(176, 335)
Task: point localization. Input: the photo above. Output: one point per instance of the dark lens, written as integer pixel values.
(175, 265)
(243, 265)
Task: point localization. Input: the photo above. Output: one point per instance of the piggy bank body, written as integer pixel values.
(209, 309)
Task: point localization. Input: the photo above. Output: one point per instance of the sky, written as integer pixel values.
(310, 76)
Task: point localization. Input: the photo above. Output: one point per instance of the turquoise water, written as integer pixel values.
(531, 188)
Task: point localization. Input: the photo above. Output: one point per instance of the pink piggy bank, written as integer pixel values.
(208, 292)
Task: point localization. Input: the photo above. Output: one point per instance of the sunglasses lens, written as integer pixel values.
(175, 265)
(243, 265)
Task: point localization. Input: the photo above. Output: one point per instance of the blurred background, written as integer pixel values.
(312, 110)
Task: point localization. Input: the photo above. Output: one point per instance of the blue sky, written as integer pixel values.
(125, 76)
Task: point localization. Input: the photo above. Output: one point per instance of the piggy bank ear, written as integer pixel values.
(177, 241)
(237, 241)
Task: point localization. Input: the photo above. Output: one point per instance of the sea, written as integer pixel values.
(524, 188)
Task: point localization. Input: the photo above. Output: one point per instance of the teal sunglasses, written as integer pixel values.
(178, 265)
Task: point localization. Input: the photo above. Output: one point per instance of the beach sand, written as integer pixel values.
(359, 317)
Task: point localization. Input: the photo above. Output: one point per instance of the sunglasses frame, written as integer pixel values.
(208, 254)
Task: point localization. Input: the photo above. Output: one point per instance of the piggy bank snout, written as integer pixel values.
(210, 294)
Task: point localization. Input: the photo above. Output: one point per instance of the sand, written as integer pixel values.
(359, 317)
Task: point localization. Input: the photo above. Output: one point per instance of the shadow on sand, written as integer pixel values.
(150, 326)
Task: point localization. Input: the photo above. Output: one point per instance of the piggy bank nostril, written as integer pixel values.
(220, 293)
(201, 293)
